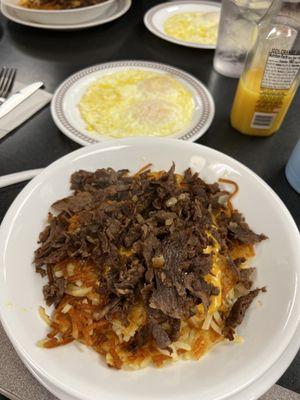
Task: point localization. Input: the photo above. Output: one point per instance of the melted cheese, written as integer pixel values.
(215, 301)
(214, 277)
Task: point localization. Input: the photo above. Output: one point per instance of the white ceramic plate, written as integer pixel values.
(51, 388)
(120, 7)
(228, 368)
(252, 392)
(64, 105)
(155, 18)
(73, 16)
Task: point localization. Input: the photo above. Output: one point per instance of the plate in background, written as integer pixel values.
(67, 16)
(66, 98)
(120, 8)
(155, 18)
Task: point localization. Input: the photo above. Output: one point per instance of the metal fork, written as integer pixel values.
(7, 79)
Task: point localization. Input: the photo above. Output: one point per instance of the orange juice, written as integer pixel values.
(257, 110)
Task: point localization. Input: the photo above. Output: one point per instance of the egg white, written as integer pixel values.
(137, 103)
(196, 27)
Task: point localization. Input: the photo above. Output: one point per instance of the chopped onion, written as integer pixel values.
(78, 292)
(174, 354)
(70, 269)
(215, 327)
(217, 317)
(139, 218)
(44, 316)
(207, 322)
(183, 196)
(94, 297)
(66, 308)
(158, 262)
(171, 202)
(207, 250)
(183, 346)
(164, 352)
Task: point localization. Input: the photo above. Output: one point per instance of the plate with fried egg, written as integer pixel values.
(187, 23)
(130, 99)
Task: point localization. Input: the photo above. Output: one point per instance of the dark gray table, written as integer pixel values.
(53, 56)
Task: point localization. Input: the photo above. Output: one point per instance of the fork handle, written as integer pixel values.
(2, 100)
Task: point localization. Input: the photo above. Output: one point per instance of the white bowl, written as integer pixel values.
(252, 392)
(228, 368)
(121, 7)
(61, 17)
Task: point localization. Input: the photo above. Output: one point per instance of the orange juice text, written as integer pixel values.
(259, 110)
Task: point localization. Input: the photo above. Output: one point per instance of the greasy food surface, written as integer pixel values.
(145, 268)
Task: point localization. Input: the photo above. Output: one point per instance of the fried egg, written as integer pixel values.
(196, 27)
(137, 103)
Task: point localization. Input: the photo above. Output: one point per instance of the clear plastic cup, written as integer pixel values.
(237, 33)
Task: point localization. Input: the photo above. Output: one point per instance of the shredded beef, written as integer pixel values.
(146, 237)
(240, 230)
(75, 203)
(140, 339)
(237, 313)
(53, 292)
(246, 277)
(160, 336)
(234, 228)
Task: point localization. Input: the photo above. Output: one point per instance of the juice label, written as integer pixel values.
(280, 72)
(263, 120)
(281, 69)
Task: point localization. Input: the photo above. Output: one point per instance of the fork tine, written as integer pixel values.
(5, 80)
(2, 72)
(9, 81)
(2, 80)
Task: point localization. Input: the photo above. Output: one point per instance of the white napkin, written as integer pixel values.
(24, 110)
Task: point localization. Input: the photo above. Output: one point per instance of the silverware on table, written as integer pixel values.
(19, 97)
(7, 79)
(11, 179)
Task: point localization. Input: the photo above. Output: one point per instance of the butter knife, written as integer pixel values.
(17, 98)
(16, 177)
